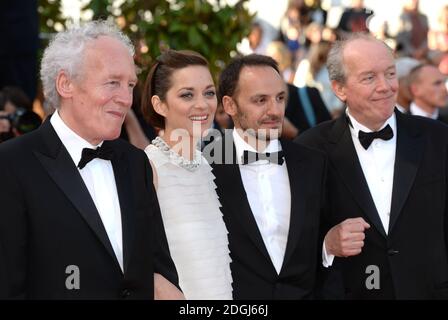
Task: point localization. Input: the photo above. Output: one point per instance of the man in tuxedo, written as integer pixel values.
(386, 206)
(270, 190)
(79, 217)
(427, 85)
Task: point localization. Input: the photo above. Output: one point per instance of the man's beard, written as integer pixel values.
(260, 134)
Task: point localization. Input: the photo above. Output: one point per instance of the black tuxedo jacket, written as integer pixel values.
(412, 256)
(294, 108)
(441, 117)
(254, 275)
(48, 221)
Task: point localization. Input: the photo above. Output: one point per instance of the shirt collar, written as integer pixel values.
(72, 142)
(417, 111)
(241, 145)
(356, 126)
(400, 108)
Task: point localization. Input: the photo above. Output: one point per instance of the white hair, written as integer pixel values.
(335, 59)
(66, 52)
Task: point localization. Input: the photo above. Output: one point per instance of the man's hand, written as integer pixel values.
(347, 238)
(165, 290)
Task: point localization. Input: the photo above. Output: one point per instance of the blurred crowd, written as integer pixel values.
(301, 47)
(304, 40)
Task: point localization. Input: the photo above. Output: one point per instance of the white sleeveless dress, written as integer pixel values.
(195, 230)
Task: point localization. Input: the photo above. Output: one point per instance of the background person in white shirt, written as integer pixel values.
(428, 88)
(270, 190)
(386, 207)
(79, 216)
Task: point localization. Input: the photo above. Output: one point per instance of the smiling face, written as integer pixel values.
(371, 85)
(259, 102)
(190, 102)
(95, 103)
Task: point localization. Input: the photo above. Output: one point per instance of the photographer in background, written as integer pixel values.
(16, 115)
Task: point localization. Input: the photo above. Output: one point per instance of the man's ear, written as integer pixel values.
(339, 90)
(64, 84)
(159, 106)
(414, 88)
(229, 105)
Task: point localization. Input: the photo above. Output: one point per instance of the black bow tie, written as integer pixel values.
(273, 157)
(104, 152)
(366, 138)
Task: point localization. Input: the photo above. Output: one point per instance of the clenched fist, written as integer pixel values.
(347, 238)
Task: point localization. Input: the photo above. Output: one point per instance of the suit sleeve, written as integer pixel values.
(13, 261)
(321, 272)
(163, 264)
(328, 281)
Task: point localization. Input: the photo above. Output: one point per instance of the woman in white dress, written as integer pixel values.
(180, 98)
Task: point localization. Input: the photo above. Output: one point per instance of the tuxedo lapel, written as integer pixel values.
(234, 194)
(120, 166)
(298, 181)
(59, 165)
(345, 160)
(407, 159)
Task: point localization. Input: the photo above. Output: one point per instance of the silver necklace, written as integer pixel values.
(190, 165)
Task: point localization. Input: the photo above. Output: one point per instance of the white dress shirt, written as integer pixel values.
(99, 178)
(377, 163)
(417, 111)
(269, 195)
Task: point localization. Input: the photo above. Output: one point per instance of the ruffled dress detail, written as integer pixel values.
(195, 230)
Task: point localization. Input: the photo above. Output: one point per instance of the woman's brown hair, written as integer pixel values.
(158, 81)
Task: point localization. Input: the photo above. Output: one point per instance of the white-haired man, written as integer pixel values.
(79, 217)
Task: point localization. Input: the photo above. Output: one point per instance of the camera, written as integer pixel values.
(16, 108)
(22, 121)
